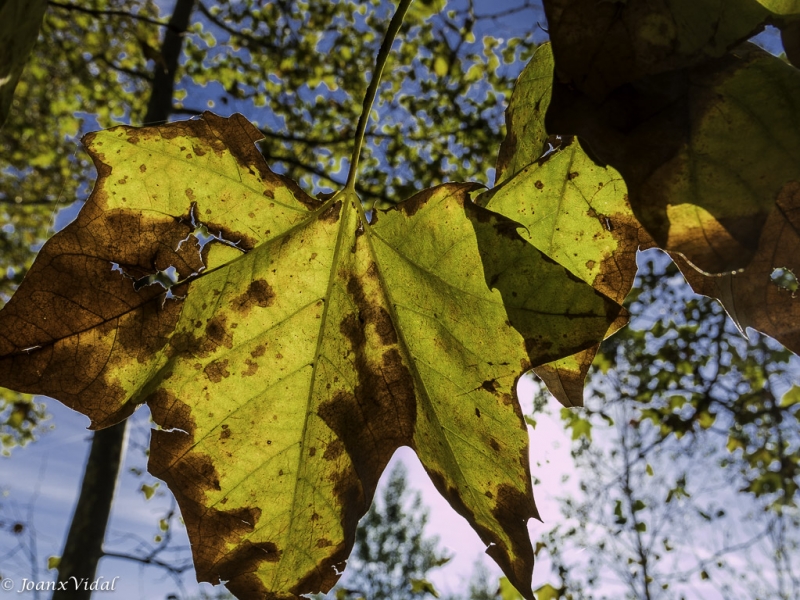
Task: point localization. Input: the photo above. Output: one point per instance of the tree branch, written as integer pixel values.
(108, 13)
(249, 39)
(130, 72)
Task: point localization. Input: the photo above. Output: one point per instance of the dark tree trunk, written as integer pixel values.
(84, 546)
(160, 105)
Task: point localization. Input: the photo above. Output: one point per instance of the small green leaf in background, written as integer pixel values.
(420, 10)
(791, 397)
(580, 426)
(547, 592)
(149, 490)
(423, 586)
(508, 591)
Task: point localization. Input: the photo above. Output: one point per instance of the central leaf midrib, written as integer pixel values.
(346, 206)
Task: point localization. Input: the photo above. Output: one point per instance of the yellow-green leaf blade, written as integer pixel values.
(296, 350)
(573, 210)
(469, 344)
(137, 222)
(526, 135)
(466, 359)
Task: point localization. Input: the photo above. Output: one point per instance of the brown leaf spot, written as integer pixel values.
(372, 314)
(325, 574)
(240, 569)
(331, 214)
(490, 385)
(377, 418)
(216, 335)
(514, 507)
(258, 351)
(225, 433)
(539, 185)
(190, 474)
(512, 515)
(252, 367)
(413, 204)
(312, 451)
(495, 446)
(333, 450)
(385, 328)
(142, 168)
(323, 543)
(216, 371)
(379, 415)
(259, 293)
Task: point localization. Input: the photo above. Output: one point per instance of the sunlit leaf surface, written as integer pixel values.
(286, 347)
(573, 210)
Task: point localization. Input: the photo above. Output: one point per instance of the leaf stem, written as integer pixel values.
(369, 98)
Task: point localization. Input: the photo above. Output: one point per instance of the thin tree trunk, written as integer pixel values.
(84, 545)
(160, 105)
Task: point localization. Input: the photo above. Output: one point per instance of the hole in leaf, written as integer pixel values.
(784, 278)
(166, 279)
(169, 277)
(203, 235)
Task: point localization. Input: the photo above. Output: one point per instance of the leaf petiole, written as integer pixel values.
(369, 98)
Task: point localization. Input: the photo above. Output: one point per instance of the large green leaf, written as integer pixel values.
(19, 27)
(573, 210)
(297, 350)
(600, 46)
(686, 143)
